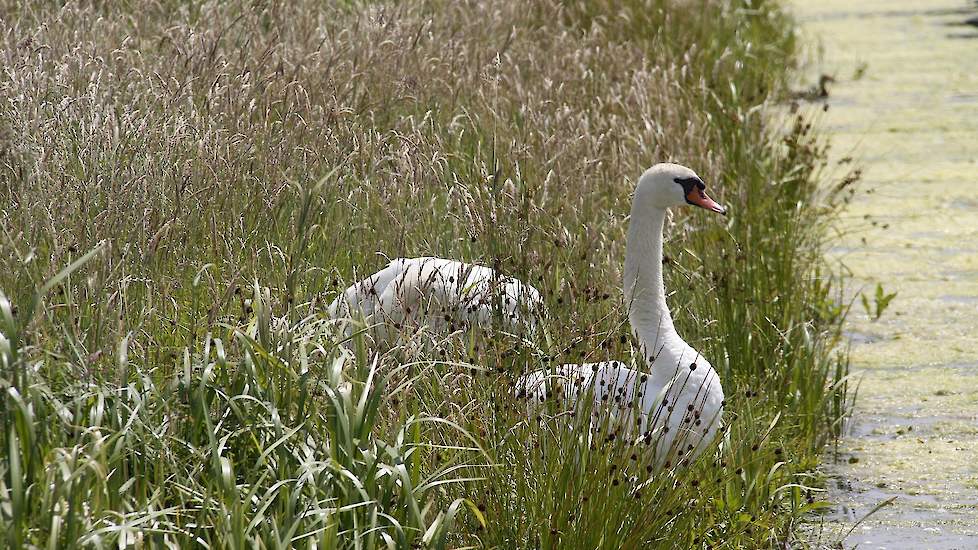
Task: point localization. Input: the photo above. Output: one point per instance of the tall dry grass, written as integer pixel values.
(232, 161)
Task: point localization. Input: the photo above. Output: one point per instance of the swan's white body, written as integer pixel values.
(679, 403)
(438, 292)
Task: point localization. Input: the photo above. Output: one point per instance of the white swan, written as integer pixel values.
(438, 292)
(678, 404)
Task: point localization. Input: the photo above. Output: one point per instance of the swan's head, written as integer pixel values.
(667, 184)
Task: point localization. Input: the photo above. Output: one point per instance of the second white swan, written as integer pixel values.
(437, 291)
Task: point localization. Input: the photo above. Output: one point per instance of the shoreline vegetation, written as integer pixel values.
(174, 176)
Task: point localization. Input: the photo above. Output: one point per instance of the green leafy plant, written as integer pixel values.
(881, 301)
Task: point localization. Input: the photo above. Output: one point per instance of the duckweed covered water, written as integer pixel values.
(905, 107)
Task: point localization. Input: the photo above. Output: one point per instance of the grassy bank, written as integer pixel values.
(172, 175)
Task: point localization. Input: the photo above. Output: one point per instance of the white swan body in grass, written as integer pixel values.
(679, 403)
(439, 292)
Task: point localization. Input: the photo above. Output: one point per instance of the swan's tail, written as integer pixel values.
(362, 298)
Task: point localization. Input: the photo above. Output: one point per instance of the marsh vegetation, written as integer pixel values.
(174, 176)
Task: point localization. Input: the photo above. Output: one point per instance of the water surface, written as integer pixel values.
(906, 108)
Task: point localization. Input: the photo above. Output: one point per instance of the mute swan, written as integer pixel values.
(439, 292)
(679, 403)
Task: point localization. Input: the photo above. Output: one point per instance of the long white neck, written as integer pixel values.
(645, 293)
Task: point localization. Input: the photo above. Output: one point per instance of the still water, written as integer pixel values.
(905, 107)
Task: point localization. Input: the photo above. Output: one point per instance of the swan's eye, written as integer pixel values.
(689, 184)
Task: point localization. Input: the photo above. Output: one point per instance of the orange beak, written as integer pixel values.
(697, 197)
